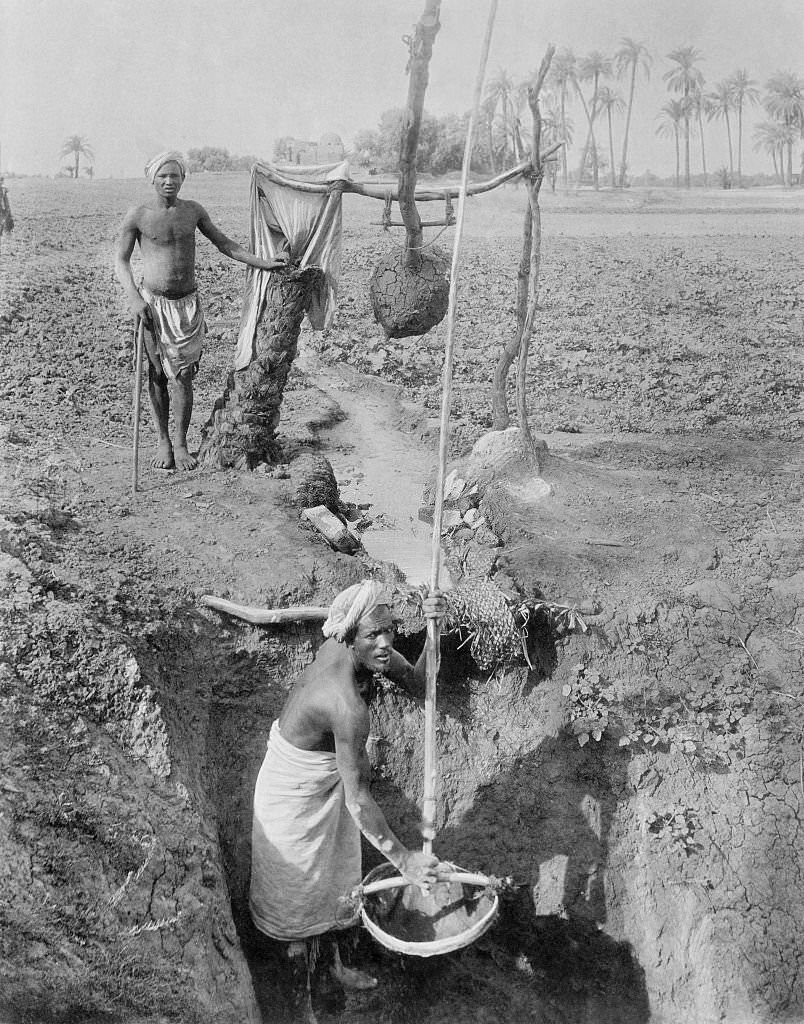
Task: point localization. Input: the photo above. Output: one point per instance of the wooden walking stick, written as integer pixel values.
(433, 646)
(139, 330)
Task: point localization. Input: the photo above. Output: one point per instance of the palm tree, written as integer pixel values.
(552, 133)
(720, 102)
(487, 118)
(501, 91)
(562, 75)
(671, 116)
(77, 146)
(685, 78)
(241, 429)
(698, 104)
(591, 69)
(521, 136)
(785, 103)
(610, 100)
(628, 60)
(745, 91)
(772, 137)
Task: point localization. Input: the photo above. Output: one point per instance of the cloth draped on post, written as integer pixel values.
(301, 225)
(305, 845)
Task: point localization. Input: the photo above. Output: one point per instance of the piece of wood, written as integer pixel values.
(424, 223)
(332, 529)
(527, 302)
(421, 50)
(265, 616)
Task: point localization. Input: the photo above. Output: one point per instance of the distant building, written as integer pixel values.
(328, 150)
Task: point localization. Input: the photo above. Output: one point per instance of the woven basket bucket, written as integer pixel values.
(402, 918)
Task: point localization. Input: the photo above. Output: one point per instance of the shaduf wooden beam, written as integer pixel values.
(425, 195)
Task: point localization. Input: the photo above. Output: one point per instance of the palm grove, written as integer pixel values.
(589, 104)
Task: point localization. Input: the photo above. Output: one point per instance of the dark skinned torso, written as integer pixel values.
(167, 243)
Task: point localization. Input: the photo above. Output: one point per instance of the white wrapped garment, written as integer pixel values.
(305, 845)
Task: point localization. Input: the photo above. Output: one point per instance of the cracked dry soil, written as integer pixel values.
(641, 785)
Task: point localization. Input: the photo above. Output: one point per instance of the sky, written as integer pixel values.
(138, 76)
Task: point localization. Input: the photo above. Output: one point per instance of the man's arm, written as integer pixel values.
(350, 734)
(129, 235)
(234, 250)
(413, 677)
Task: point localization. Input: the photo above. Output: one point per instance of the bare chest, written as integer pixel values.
(174, 227)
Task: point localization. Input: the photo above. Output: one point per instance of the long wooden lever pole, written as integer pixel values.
(433, 645)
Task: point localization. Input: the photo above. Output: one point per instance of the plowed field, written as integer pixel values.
(641, 786)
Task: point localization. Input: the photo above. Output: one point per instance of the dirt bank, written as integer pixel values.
(641, 785)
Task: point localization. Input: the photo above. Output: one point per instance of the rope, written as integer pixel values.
(416, 248)
(433, 634)
(386, 224)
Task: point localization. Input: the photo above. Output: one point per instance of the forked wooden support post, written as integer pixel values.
(527, 278)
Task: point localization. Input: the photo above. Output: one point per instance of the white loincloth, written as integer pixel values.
(305, 845)
(180, 330)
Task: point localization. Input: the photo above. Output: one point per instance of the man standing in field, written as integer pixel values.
(6, 220)
(312, 797)
(167, 301)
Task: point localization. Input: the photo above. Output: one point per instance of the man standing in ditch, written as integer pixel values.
(167, 301)
(312, 797)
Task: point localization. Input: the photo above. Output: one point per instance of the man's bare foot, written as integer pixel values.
(163, 459)
(348, 977)
(184, 460)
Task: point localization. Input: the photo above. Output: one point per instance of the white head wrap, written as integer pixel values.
(163, 158)
(350, 606)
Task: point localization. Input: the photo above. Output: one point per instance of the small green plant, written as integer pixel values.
(590, 701)
(706, 722)
(664, 727)
(563, 617)
(675, 828)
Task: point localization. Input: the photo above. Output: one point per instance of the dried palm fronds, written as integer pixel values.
(479, 613)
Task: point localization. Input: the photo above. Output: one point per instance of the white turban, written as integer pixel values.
(169, 155)
(352, 605)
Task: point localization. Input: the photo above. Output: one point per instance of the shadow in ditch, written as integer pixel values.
(545, 823)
